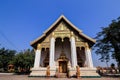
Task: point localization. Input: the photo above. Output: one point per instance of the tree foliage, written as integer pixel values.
(108, 41)
(24, 60)
(6, 56)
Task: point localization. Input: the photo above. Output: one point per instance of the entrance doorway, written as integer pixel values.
(63, 66)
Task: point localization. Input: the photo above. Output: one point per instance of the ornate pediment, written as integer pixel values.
(62, 27)
(62, 30)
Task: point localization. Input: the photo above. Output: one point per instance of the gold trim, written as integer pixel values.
(38, 46)
(53, 34)
(87, 46)
(72, 34)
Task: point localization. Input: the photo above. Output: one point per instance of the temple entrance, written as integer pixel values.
(63, 66)
(62, 61)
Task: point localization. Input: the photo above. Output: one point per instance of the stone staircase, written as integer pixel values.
(62, 75)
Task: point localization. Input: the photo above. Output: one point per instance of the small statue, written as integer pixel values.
(48, 71)
(77, 71)
(68, 72)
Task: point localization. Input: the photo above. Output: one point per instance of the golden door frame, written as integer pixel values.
(63, 64)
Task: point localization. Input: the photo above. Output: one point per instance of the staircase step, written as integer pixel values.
(62, 75)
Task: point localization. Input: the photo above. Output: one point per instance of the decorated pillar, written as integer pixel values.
(73, 51)
(88, 57)
(52, 51)
(37, 56)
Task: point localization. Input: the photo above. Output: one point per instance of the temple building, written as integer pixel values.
(62, 47)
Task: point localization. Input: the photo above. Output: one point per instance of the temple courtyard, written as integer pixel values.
(25, 77)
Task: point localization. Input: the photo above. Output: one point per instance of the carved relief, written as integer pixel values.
(62, 31)
(80, 44)
(78, 38)
(62, 34)
(62, 27)
(46, 42)
(45, 45)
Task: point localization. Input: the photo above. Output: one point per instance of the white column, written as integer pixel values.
(86, 56)
(89, 58)
(73, 52)
(37, 59)
(52, 51)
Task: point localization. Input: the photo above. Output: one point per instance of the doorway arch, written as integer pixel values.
(63, 63)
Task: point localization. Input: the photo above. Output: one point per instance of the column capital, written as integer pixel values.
(72, 38)
(86, 46)
(53, 34)
(38, 46)
(71, 33)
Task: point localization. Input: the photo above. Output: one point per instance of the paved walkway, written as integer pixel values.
(25, 77)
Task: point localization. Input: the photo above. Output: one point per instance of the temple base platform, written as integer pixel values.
(84, 72)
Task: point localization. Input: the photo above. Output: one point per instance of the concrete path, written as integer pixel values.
(25, 77)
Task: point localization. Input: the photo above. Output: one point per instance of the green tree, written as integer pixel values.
(108, 41)
(6, 56)
(24, 60)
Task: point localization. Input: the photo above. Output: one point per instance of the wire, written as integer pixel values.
(6, 38)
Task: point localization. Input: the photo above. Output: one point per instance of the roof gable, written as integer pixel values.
(59, 19)
(62, 18)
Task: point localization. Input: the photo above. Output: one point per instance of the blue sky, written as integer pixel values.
(22, 21)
